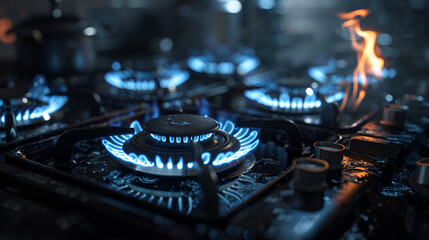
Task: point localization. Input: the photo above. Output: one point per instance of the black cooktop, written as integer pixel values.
(222, 120)
(221, 166)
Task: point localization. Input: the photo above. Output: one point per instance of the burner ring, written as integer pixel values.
(176, 159)
(296, 100)
(34, 110)
(146, 81)
(143, 143)
(224, 151)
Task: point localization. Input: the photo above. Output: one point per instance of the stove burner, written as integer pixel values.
(329, 73)
(146, 81)
(224, 145)
(224, 62)
(35, 106)
(285, 99)
(181, 128)
(290, 95)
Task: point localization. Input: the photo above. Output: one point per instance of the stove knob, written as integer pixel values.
(394, 115)
(330, 152)
(417, 216)
(10, 126)
(422, 172)
(330, 115)
(310, 174)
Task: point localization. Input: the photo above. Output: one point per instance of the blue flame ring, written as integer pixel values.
(246, 137)
(284, 102)
(146, 81)
(242, 62)
(24, 116)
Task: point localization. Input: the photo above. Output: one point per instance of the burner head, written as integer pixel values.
(272, 91)
(147, 81)
(29, 111)
(35, 106)
(181, 125)
(163, 148)
(224, 61)
(285, 99)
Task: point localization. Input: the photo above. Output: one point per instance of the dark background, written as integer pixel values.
(284, 34)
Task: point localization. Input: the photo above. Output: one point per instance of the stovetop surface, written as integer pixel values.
(285, 119)
(257, 199)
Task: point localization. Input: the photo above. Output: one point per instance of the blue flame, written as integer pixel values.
(116, 66)
(204, 107)
(335, 98)
(131, 80)
(201, 65)
(388, 73)
(184, 139)
(285, 101)
(241, 62)
(146, 81)
(247, 64)
(54, 103)
(170, 78)
(319, 73)
(39, 91)
(246, 137)
(324, 73)
(155, 110)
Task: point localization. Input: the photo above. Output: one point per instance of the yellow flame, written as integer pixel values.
(360, 12)
(367, 61)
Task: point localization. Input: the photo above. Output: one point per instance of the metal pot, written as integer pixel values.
(55, 46)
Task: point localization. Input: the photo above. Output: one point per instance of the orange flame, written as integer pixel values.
(360, 12)
(367, 61)
(5, 25)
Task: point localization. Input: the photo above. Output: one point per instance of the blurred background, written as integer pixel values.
(73, 37)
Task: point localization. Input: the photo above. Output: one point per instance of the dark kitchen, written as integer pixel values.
(214, 119)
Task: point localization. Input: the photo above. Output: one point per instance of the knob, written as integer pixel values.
(417, 216)
(10, 126)
(394, 115)
(422, 172)
(310, 174)
(330, 152)
(330, 115)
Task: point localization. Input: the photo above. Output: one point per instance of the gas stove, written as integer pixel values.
(216, 141)
(206, 172)
(39, 106)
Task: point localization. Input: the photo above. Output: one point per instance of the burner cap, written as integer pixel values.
(224, 149)
(181, 125)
